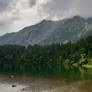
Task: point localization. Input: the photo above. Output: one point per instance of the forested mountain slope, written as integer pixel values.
(48, 32)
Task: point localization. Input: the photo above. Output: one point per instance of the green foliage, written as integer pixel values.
(37, 58)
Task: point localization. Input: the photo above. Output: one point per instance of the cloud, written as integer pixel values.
(16, 14)
(11, 12)
(57, 7)
(83, 7)
(32, 2)
(4, 5)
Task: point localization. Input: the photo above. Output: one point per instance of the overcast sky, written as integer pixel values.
(16, 14)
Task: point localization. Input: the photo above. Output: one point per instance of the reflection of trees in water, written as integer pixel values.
(57, 70)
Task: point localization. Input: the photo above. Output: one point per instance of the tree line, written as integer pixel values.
(14, 58)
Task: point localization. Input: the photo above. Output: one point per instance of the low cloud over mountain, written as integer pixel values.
(16, 14)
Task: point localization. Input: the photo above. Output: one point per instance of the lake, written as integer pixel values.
(62, 82)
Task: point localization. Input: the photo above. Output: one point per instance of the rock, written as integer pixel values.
(13, 85)
(11, 76)
(23, 89)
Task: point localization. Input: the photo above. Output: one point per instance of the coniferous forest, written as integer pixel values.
(37, 58)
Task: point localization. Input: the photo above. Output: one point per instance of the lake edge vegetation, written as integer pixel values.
(14, 58)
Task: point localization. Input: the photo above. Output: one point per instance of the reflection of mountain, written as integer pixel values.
(47, 32)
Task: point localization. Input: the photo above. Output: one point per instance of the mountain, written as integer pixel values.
(48, 32)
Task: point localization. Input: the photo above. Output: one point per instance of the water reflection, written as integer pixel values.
(48, 79)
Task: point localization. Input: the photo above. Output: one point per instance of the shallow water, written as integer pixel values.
(42, 84)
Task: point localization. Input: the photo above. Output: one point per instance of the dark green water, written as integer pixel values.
(49, 79)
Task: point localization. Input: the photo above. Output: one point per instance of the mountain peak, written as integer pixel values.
(77, 17)
(44, 21)
(48, 32)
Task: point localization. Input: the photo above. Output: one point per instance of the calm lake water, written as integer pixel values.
(65, 82)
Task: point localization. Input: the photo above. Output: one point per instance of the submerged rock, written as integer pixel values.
(11, 76)
(13, 85)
